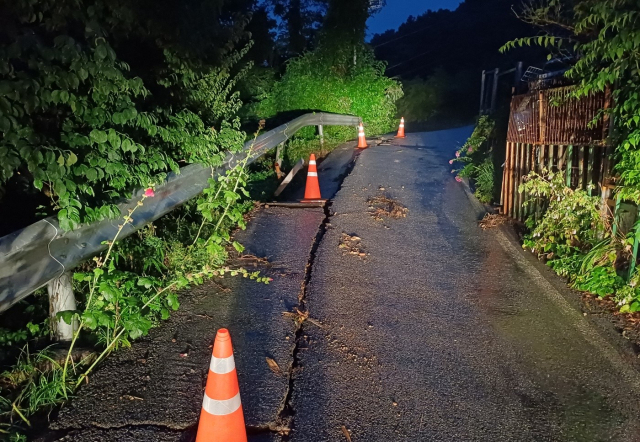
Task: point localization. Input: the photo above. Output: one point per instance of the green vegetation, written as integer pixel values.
(422, 98)
(129, 289)
(576, 241)
(310, 83)
(476, 156)
(82, 122)
(603, 39)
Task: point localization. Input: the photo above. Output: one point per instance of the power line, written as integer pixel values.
(409, 59)
(402, 36)
(415, 68)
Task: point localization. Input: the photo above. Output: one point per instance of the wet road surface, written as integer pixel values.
(439, 332)
(444, 332)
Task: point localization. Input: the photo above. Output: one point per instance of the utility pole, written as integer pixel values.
(484, 77)
(518, 76)
(494, 92)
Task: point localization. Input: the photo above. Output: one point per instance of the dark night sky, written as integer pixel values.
(397, 11)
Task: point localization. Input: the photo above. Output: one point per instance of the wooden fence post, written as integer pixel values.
(634, 255)
(542, 117)
(569, 164)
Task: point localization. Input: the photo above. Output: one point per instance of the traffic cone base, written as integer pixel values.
(362, 140)
(312, 188)
(218, 428)
(221, 418)
(401, 129)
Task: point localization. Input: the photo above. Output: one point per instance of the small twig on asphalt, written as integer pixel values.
(300, 317)
(346, 433)
(273, 365)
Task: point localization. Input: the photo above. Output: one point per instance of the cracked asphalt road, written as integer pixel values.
(153, 391)
(441, 332)
(445, 332)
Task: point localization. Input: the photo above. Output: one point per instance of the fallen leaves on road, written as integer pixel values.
(382, 206)
(351, 245)
(299, 317)
(273, 365)
(346, 433)
(492, 220)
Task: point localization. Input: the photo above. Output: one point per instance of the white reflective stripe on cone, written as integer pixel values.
(312, 162)
(222, 365)
(221, 408)
(312, 174)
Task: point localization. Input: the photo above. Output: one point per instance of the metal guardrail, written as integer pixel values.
(31, 257)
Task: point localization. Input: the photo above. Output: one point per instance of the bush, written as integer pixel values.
(571, 222)
(476, 156)
(423, 98)
(311, 84)
(568, 236)
(81, 122)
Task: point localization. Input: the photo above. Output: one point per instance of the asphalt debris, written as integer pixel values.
(351, 245)
(492, 220)
(382, 206)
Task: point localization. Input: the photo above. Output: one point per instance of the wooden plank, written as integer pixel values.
(527, 169)
(520, 180)
(569, 165)
(299, 165)
(523, 172)
(505, 167)
(589, 172)
(561, 157)
(542, 118)
(512, 166)
(511, 176)
(513, 179)
(504, 179)
(507, 178)
(581, 183)
(538, 169)
(598, 172)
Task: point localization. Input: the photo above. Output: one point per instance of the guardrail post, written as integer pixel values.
(634, 255)
(279, 156)
(61, 299)
(321, 134)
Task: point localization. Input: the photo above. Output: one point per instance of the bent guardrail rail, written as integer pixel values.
(31, 257)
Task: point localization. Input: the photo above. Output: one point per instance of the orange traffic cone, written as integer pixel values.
(401, 129)
(221, 418)
(312, 189)
(362, 141)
